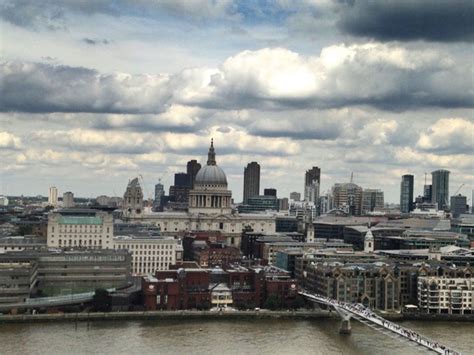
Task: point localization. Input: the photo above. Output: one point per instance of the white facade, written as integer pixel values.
(86, 229)
(230, 225)
(150, 254)
(438, 294)
(53, 196)
(3, 201)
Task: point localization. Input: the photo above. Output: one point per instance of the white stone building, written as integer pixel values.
(150, 253)
(53, 196)
(439, 294)
(80, 228)
(133, 199)
(210, 209)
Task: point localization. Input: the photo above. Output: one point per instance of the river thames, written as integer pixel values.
(260, 336)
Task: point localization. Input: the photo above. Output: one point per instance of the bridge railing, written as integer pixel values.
(360, 310)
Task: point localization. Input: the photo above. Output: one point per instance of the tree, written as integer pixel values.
(102, 300)
(272, 302)
(298, 302)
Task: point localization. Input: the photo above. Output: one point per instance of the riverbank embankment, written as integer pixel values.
(216, 315)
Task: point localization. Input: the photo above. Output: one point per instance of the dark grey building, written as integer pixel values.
(427, 193)
(406, 193)
(192, 169)
(458, 205)
(440, 188)
(314, 174)
(269, 192)
(251, 181)
(159, 193)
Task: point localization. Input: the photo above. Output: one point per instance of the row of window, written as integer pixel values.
(144, 246)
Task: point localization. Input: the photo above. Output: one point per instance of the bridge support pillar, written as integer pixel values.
(345, 327)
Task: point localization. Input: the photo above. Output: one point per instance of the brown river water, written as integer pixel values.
(259, 336)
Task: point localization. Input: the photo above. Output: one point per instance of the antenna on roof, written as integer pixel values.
(352, 177)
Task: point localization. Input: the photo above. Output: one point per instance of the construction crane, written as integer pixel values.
(459, 188)
(148, 196)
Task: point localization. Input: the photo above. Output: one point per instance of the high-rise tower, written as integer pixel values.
(406, 193)
(251, 181)
(440, 188)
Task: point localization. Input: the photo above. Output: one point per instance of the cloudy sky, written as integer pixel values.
(94, 93)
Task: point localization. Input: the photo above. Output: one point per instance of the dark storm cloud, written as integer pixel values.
(36, 87)
(405, 20)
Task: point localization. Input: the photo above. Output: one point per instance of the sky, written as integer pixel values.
(94, 93)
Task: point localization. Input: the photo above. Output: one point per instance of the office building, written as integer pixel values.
(251, 181)
(53, 196)
(269, 192)
(312, 181)
(283, 204)
(295, 196)
(458, 205)
(159, 193)
(80, 228)
(406, 194)
(372, 200)
(192, 168)
(348, 198)
(427, 189)
(68, 200)
(149, 253)
(440, 188)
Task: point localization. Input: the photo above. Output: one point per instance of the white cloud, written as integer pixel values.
(9, 141)
(448, 134)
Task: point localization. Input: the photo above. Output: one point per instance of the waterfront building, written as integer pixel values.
(251, 181)
(149, 253)
(133, 199)
(458, 205)
(375, 285)
(92, 229)
(441, 294)
(54, 272)
(53, 196)
(406, 193)
(68, 200)
(18, 279)
(440, 188)
(372, 200)
(348, 198)
(192, 287)
(295, 196)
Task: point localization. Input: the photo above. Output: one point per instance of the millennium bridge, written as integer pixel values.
(364, 315)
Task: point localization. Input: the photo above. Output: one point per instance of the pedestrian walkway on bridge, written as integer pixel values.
(369, 318)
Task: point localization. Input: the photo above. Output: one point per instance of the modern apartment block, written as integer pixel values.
(446, 294)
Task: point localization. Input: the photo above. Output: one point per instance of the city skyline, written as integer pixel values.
(96, 95)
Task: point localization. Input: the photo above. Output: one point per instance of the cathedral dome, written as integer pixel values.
(211, 173)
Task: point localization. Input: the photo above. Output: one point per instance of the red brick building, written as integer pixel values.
(191, 287)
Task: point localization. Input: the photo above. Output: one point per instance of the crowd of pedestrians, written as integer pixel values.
(360, 310)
